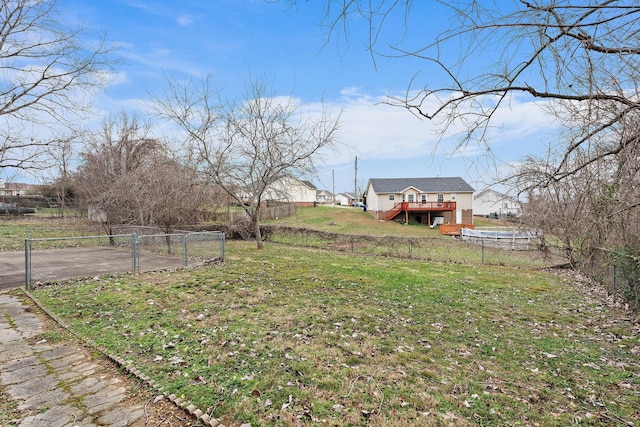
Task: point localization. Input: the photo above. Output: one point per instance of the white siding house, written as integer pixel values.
(286, 189)
(324, 197)
(420, 199)
(491, 202)
(345, 199)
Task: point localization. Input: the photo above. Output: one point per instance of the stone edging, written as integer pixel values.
(183, 404)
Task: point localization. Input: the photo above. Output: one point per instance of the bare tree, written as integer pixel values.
(61, 155)
(131, 178)
(244, 147)
(112, 156)
(169, 193)
(46, 70)
(581, 60)
(597, 206)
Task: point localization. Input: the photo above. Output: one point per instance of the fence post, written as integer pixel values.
(185, 248)
(136, 254)
(222, 241)
(482, 245)
(410, 248)
(613, 281)
(27, 263)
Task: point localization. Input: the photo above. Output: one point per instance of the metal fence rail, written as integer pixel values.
(189, 248)
(427, 248)
(52, 259)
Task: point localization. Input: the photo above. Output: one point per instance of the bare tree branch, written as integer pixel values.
(131, 177)
(47, 70)
(243, 147)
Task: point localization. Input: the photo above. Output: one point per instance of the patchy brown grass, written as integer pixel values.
(290, 336)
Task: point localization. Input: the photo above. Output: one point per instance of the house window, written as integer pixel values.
(505, 205)
(441, 197)
(453, 197)
(392, 197)
(424, 198)
(410, 198)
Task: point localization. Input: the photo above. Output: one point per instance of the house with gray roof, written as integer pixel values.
(324, 196)
(436, 200)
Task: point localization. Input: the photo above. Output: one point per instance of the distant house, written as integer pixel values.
(423, 200)
(14, 188)
(286, 189)
(324, 196)
(491, 202)
(345, 199)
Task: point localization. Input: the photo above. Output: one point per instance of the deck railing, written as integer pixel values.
(418, 207)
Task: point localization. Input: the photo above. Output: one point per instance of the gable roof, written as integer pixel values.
(305, 183)
(17, 186)
(425, 185)
(347, 195)
(497, 193)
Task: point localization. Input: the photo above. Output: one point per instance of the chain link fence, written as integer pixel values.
(618, 272)
(440, 249)
(49, 259)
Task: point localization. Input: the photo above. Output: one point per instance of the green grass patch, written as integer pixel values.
(14, 231)
(286, 336)
(348, 220)
(428, 249)
(355, 231)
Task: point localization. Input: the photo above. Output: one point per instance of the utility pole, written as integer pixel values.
(355, 182)
(333, 188)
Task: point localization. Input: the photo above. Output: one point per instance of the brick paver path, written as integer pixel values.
(57, 384)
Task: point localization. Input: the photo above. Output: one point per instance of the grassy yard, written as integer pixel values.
(352, 230)
(291, 336)
(348, 220)
(351, 221)
(14, 230)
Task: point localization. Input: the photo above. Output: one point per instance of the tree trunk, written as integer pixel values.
(257, 232)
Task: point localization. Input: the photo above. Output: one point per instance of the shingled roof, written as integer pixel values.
(425, 185)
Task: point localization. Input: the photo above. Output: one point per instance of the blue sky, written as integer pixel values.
(233, 39)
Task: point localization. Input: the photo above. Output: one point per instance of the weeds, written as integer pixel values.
(9, 413)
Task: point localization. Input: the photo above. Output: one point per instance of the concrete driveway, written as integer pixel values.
(11, 269)
(57, 264)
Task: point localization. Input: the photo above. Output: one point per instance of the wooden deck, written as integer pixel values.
(408, 207)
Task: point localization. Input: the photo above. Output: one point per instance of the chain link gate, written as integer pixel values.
(64, 258)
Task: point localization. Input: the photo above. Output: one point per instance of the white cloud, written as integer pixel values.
(184, 20)
(393, 142)
(396, 143)
(377, 130)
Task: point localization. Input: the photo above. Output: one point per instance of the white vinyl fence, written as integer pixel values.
(512, 238)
